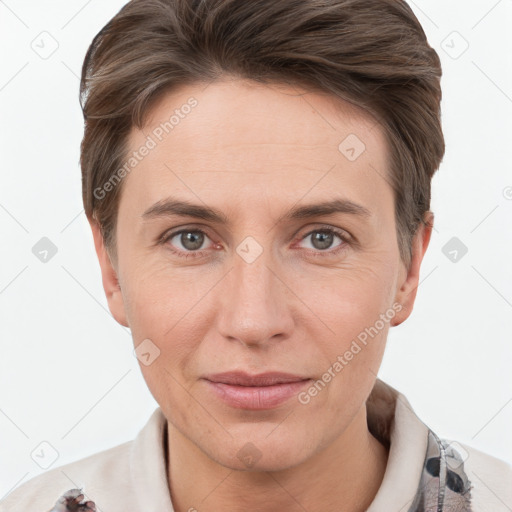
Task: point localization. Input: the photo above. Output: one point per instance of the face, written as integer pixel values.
(268, 283)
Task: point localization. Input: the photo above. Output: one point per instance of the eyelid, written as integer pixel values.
(204, 229)
(171, 233)
(344, 235)
(328, 227)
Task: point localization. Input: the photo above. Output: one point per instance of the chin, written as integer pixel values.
(259, 452)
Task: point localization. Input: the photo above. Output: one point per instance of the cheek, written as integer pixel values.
(358, 317)
(156, 296)
(164, 317)
(355, 311)
(169, 308)
(349, 299)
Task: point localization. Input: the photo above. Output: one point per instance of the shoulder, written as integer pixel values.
(95, 474)
(456, 476)
(490, 478)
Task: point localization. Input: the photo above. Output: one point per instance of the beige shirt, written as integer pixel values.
(423, 473)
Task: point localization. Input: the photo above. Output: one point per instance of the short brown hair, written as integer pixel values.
(372, 53)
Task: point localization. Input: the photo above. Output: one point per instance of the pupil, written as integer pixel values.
(324, 239)
(192, 241)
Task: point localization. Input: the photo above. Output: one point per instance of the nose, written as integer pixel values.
(255, 303)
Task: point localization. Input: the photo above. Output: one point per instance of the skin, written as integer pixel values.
(253, 152)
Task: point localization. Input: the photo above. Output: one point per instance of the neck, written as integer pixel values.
(344, 475)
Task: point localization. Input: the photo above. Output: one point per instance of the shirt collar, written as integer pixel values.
(148, 466)
(391, 420)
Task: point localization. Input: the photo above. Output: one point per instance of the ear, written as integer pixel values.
(409, 279)
(109, 276)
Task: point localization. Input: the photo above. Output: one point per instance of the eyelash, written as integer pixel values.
(346, 239)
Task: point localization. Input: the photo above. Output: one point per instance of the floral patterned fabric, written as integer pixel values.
(444, 485)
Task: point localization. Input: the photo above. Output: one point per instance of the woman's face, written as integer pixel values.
(266, 285)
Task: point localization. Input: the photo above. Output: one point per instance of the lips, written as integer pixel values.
(241, 390)
(239, 378)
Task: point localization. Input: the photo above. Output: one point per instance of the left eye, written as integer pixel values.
(191, 240)
(322, 239)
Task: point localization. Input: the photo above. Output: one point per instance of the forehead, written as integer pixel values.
(252, 113)
(240, 137)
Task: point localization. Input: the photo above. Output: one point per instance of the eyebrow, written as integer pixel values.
(171, 206)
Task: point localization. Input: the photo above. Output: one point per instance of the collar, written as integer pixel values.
(393, 422)
(423, 472)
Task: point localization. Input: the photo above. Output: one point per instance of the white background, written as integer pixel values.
(68, 376)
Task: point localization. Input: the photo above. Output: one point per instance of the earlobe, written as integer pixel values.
(109, 276)
(406, 294)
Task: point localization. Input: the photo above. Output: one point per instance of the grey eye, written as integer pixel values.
(322, 239)
(190, 240)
